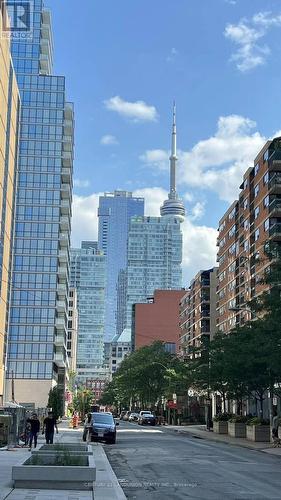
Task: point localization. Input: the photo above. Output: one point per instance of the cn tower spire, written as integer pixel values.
(173, 206)
(173, 158)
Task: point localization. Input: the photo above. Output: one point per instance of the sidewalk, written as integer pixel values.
(106, 487)
(199, 431)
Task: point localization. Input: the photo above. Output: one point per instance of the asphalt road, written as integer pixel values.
(155, 463)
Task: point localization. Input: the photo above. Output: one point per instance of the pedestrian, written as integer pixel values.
(49, 426)
(34, 429)
(275, 426)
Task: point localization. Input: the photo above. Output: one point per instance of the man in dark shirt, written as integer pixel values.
(49, 426)
(34, 429)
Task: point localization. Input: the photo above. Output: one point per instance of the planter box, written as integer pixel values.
(258, 433)
(220, 427)
(236, 429)
(49, 476)
(72, 450)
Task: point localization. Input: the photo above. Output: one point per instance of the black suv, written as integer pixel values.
(103, 428)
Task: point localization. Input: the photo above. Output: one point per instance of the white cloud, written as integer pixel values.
(218, 162)
(246, 34)
(199, 242)
(84, 218)
(156, 158)
(172, 55)
(198, 210)
(136, 111)
(109, 140)
(79, 183)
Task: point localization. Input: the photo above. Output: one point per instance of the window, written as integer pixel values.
(256, 190)
(266, 201)
(257, 211)
(256, 169)
(265, 178)
(245, 203)
(266, 155)
(266, 225)
(257, 234)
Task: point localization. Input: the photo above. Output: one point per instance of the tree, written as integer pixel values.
(82, 401)
(56, 401)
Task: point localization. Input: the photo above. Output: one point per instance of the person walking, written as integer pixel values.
(49, 426)
(34, 429)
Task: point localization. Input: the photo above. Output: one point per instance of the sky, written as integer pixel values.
(125, 62)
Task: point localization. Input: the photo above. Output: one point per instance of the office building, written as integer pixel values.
(72, 329)
(250, 225)
(115, 211)
(155, 246)
(88, 276)
(158, 319)
(120, 347)
(9, 124)
(198, 311)
(38, 319)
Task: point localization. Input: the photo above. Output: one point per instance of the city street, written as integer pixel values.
(155, 463)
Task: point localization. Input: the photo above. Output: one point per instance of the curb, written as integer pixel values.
(206, 438)
(106, 486)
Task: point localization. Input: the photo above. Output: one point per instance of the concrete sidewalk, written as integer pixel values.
(106, 486)
(199, 431)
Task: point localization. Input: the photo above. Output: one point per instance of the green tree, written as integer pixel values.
(56, 401)
(82, 401)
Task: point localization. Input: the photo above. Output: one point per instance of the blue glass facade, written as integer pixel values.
(88, 276)
(38, 317)
(154, 258)
(115, 212)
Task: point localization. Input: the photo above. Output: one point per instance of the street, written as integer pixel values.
(155, 463)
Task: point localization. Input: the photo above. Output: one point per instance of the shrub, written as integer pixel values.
(238, 419)
(222, 417)
(257, 421)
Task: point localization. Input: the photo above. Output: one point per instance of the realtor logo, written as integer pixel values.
(17, 19)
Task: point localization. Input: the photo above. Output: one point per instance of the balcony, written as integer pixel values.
(274, 165)
(65, 207)
(67, 143)
(274, 185)
(64, 239)
(67, 159)
(275, 207)
(62, 290)
(68, 126)
(63, 256)
(62, 272)
(60, 340)
(60, 324)
(64, 223)
(60, 359)
(65, 191)
(275, 231)
(66, 174)
(61, 306)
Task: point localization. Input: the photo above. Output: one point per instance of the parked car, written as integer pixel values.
(134, 417)
(143, 412)
(103, 428)
(147, 419)
(121, 416)
(127, 414)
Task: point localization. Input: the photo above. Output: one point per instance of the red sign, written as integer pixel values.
(171, 404)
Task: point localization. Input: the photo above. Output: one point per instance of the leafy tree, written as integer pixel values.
(56, 401)
(82, 401)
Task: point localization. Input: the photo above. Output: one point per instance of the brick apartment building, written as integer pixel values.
(198, 311)
(158, 319)
(248, 225)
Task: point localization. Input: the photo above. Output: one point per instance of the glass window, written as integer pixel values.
(257, 234)
(266, 201)
(256, 190)
(257, 211)
(256, 169)
(266, 225)
(265, 178)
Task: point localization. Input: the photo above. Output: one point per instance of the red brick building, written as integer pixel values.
(158, 319)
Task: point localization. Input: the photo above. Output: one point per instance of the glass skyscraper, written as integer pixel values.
(88, 276)
(115, 212)
(155, 246)
(38, 318)
(154, 258)
(9, 129)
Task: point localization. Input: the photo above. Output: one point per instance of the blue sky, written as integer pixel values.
(126, 61)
